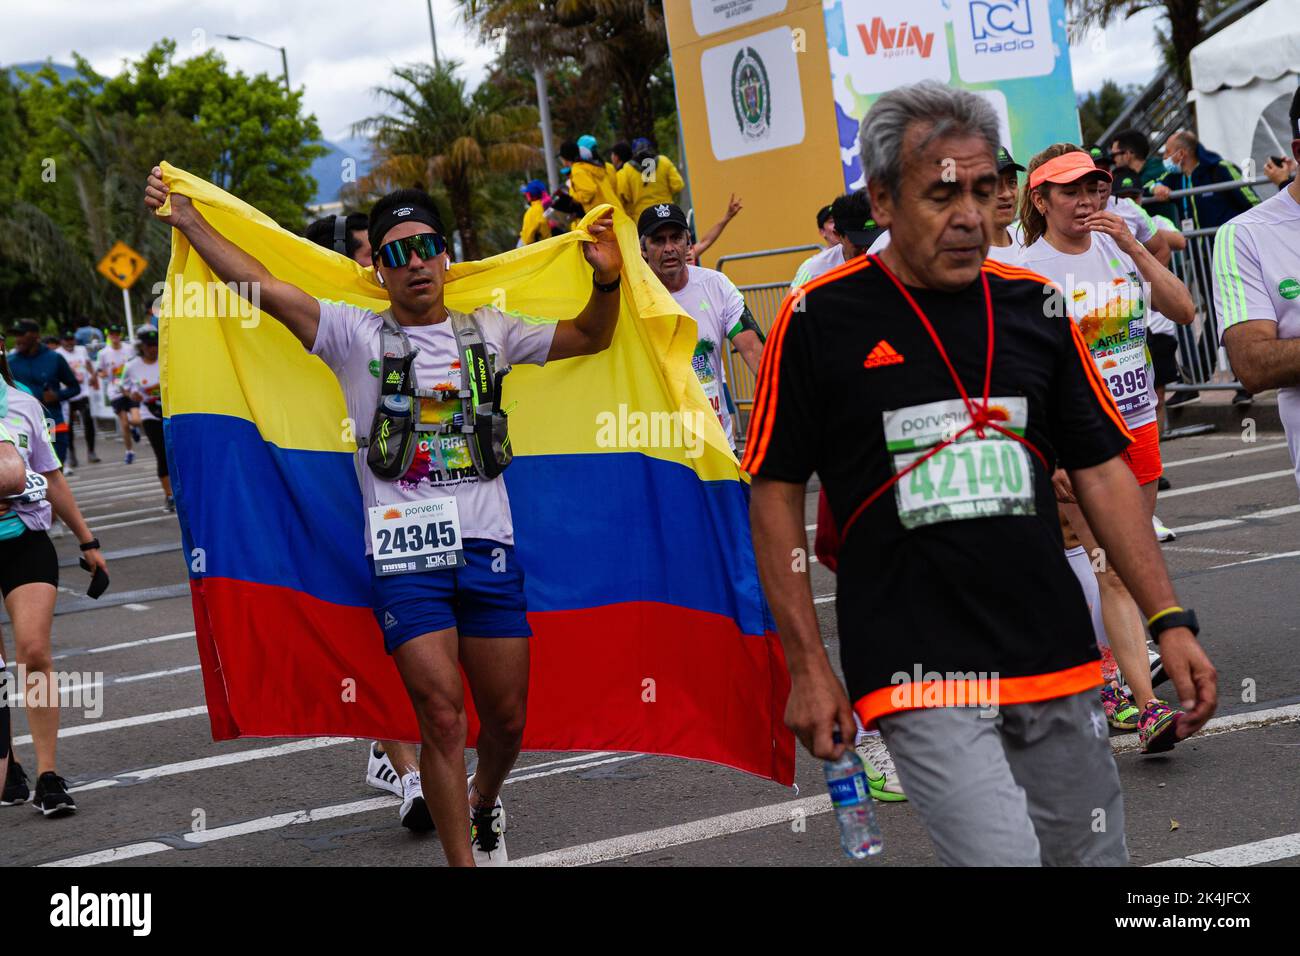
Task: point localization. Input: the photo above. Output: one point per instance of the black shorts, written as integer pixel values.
(124, 404)
(1164, 357)
(153, 430)
(29, 558)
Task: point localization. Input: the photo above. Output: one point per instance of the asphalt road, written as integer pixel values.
(153, 788)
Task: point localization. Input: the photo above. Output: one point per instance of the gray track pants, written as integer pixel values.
(1035, 785)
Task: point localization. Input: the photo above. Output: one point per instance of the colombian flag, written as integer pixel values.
(651, 633)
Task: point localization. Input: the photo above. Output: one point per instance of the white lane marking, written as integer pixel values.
(1251, 720)
(100, 727)
(1267, 557)
(206, 763)
(693, 832)
(136, 607)
(296, 817)
(1221, 551)
(1241, 519)
(154, 675)
(121, 647)
(1247, 854)
(1225, 454)
(1229, 483)
(824, 600)
(85, 513)
(726, 824)
(263, 753)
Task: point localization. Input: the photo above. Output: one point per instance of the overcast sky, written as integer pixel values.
(339, 56)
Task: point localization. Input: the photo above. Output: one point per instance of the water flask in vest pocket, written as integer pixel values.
(392, 437)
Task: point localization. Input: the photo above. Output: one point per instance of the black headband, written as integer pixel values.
(395, 217)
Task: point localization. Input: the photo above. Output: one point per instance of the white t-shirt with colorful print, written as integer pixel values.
(714, 302)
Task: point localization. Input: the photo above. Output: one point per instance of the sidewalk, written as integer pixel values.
(1216, 408)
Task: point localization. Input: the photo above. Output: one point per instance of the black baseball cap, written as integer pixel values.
(1005, 161)
(852, 215)
(23, 326)
(1295, 114)
(69, 333)
(664, 214)
(822, 215)
(148, 337)
(1127, 185)
(1100, 158)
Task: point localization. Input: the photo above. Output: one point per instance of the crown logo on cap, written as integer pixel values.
(662, 211)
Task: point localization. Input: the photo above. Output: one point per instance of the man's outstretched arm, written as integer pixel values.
(293, 308)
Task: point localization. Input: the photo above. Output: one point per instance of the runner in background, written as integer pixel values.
(1004, 246)
(141, 382)
(46, 375)
(391, 765)
(111, 361)
(1088, 252)
(707, 296)
(83, 367)
(855, 232)
(29, 579)
(826, 227)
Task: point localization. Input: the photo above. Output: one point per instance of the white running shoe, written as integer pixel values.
(380, 773)
(1163, 534)
(415, 812)
(487, 833)
(881, 774)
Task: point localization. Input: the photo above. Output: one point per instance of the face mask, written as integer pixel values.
(1172, 167)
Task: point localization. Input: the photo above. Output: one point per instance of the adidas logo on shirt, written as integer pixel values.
(882, 354)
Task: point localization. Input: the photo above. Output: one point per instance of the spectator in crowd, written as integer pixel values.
(826, 227)
(1130, 151)
(346, 235)
(535, 226)
(1189, 164)
(591, 180)
(650, 179)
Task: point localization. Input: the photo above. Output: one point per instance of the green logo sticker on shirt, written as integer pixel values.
(1288, 288)
(374, 367)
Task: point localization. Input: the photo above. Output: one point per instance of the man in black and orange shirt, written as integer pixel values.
(934, 394)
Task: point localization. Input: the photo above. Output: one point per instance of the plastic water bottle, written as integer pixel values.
(846, 779)
(399, 406)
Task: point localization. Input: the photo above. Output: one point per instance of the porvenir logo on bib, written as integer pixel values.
(751, 94)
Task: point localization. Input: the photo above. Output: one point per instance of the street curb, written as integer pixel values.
(1228, 417)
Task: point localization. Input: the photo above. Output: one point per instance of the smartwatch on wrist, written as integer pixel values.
(606, 286)
(90, 545)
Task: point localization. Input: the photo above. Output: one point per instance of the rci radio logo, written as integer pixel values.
(1003, 26)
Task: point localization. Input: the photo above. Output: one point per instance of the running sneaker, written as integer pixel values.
(130, 458)
(882, 777)
(1242, 398)
(1157, 730)
(169, 504)
(1182, 398)
(380, 772)
(95, 459)
(68, 471)
(16, 790)
(1162, 484)
(1163, 534)
(487, 832)
(52, 797)
(1121, 712)
(415, 812)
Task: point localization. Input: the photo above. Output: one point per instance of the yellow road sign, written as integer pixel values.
(122, 265)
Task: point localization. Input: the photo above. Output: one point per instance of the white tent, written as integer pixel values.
(1243, 79)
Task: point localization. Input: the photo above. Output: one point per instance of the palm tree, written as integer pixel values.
(1184, 23)
(451, 136)
(620, 43)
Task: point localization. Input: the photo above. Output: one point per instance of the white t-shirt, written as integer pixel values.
(1157, 322)
(1104, 295)
(1257, 277)
(25, 421)
(78, 360)
(714, 302)
(348, 340)
(143, 377)
(818, 264)
(1135, 217)
(111, 362)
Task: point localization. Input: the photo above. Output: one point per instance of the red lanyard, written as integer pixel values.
(979, 414)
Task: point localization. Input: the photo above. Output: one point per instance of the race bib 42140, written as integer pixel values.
(970, 478)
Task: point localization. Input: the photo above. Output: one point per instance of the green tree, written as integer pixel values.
(86, 145)
(1097, 110)
(439, 132)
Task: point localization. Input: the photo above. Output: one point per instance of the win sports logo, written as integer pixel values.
(751, 94)
(898, 41)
